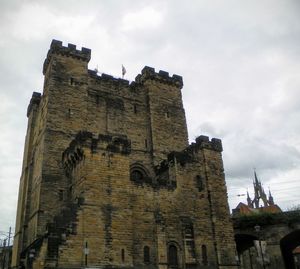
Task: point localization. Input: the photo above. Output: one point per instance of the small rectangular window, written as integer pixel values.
(146, 143)
(134, 109)
(72, 81)
(61, 195)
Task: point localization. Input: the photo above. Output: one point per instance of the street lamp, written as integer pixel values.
(257, 229)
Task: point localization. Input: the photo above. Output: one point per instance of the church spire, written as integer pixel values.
(271, 200)
(256, 181)
(249, 201)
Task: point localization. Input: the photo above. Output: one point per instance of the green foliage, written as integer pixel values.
(264, 218)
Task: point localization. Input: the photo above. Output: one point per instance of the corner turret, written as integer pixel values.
(56, 48)
(35, 100)
(161, 76)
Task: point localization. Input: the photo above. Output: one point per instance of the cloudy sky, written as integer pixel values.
(240, 61)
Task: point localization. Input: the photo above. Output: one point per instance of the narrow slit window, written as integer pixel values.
(146, 254)
(199, 183)
(135, 109)
(204, 254)
(123, 255)
(61, 195)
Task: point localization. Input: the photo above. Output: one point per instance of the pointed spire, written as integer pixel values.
(255, 176)
(271, 200)
(249, 201)
(248, 197)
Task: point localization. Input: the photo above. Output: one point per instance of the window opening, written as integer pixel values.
(173, 257)
(61, 195)
(123, 255)
(204, 254)
(199, 183)
(136, 175)
(146, 254)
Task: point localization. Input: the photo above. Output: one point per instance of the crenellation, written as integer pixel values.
(35, 100)
(108, 78)
(72, 47)
(204, 142)
(148, 73)
(117, 144)
(57, 48)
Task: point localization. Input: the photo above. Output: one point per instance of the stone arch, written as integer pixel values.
(139, 174)
(244, 241)
(287, 244)
(245, 248)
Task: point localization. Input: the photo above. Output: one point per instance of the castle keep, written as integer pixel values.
(109, 179)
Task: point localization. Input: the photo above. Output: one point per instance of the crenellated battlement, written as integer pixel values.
(161, 76)
(108, 78)
(75, 153)
(188, 155)
(35, 100)
(203, 141)
(57, 48)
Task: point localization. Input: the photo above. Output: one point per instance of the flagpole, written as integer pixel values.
(123, 71)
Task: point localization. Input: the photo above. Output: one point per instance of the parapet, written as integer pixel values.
(161, 76)
(105, 77)
(203, 142)
(188, 154)
(35, 100)
(74, 153)
(57, 48)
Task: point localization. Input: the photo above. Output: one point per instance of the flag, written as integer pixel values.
(123, 70)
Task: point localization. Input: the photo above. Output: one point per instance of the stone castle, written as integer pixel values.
(108, 177)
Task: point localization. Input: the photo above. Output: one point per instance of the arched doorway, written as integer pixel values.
(287, 245)
(172, 256)
(246, 250)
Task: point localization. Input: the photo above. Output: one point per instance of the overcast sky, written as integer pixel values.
(240, 61)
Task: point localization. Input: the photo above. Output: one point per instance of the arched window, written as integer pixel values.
(172, 256)
(204, 255)
(146, 254)
(138, 174)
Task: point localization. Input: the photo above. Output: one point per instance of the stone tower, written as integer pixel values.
(108, 177)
